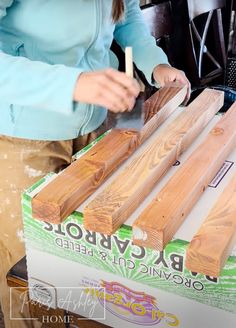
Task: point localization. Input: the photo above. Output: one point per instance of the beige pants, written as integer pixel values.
(22, 163)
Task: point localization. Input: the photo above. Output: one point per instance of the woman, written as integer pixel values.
(55, 85)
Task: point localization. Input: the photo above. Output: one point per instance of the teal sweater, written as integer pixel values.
(44, 47)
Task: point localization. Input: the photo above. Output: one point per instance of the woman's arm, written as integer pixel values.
(133, 31)
(148, 57)
(32, 83)
(108, 88)
(37, 84)
(55, 87)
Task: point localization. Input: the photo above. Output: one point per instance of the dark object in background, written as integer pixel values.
(158, 18)
(1, 319)
(230, 96)
(195, 36)
(199, 41)
(230, 79)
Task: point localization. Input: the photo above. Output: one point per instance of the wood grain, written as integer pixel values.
(213, 243)
(159, 106)
(113, 206)
(65, 193)
(77, 182)
(158, 223)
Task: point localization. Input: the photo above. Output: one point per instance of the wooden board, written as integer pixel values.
(77, 182)
(65, 193)
(159, 106)
(158, 223)
(113, 206)
(213, 243)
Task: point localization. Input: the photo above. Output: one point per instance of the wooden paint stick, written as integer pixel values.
(129, 61)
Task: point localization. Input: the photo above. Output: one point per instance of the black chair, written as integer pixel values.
(199, 42)
(158, 18)
(230, 79)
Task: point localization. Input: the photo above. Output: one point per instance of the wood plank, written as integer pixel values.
(213, 243)
(158, 223)
(65, 193)
(113, 206)
(77, 182)
(15, 282)
(159, 106)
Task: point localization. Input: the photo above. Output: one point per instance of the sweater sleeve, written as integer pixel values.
(133, 31)
(33, 83)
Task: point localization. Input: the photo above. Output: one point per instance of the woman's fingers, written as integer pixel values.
(125, 81)
(108, 88)
(115, 98)
(181, 78)
(165, 74)
(120, 95)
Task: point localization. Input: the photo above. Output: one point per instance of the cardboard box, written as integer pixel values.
(125, 303)
(67, 255)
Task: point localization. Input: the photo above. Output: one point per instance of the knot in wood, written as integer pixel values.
(217, 131)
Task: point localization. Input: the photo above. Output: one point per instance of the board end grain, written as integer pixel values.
(46, 211)
(98, 222)
(142, 236)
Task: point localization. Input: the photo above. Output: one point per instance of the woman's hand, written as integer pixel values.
(108, 88)
(165, 74)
